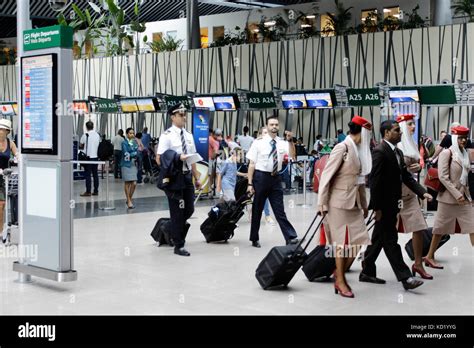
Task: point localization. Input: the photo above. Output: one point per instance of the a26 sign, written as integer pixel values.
(363, 97)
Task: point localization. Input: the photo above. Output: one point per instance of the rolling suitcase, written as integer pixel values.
(427, 236)
(161, 233)
(222, 220)
(282, 262)
(320, 264)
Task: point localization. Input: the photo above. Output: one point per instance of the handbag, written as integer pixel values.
(432, 179)
(82, 156)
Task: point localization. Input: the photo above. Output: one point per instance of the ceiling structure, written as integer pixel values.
(150, 10)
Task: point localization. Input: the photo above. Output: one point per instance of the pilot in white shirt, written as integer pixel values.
(266, 157)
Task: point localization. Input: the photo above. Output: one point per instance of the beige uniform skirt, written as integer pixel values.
(410, 218)
(346, 227)
(454, 218)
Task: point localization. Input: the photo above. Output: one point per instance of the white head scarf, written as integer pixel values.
(364, 154)
(463, 157)
(408, 144)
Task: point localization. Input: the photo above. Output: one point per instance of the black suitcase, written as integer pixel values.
(241, 187)
(161, 233)
(427, 236)
(282, 262)
(320, 264)
(222, 220)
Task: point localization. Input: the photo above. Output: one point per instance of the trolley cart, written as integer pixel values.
(10, 179)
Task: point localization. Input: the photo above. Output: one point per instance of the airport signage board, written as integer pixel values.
(47, 37)
(363, 97)
(261, 101)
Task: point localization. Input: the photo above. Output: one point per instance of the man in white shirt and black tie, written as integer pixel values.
(181, 202)
(266, 156)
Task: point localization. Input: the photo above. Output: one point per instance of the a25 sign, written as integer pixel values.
(363, 97)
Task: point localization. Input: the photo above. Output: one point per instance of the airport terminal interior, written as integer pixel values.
(225, 69)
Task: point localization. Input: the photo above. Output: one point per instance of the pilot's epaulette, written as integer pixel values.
(168, 131)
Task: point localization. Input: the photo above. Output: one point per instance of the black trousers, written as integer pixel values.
(269, 187)
(181, 205)
(92, 169)
(117, 160)
(385, 236)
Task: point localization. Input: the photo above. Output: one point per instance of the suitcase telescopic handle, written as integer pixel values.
(314, 233)
(309, 229)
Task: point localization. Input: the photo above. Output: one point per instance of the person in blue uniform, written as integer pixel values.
(180, 193)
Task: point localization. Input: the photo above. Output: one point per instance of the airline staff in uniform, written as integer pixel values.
(266, 157)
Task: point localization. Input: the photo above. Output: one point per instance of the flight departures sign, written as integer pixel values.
(261, 100)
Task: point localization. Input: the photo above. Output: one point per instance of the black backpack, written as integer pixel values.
(105, 150)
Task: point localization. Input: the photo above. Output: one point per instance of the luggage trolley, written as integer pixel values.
(10, 179)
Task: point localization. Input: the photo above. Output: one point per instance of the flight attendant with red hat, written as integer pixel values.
(342, 196)
(410, 218)
(455, 210)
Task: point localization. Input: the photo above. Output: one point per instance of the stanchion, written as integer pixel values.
(108, 204)
(304, 205)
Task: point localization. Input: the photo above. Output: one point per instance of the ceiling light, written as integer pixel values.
(306, 26)
(386, 10)
(396, 15)
(311, 16)
(270, 23)
(256, 30)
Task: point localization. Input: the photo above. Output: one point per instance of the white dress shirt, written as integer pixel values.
(171, 140)
(91, 145)
(260, 153)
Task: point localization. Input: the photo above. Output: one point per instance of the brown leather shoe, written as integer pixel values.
(86, 194)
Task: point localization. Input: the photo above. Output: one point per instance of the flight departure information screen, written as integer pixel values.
(39, 85)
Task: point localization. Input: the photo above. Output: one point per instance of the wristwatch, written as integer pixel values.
(249, 184)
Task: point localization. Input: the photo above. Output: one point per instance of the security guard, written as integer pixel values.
(181, 202)
(266, 156)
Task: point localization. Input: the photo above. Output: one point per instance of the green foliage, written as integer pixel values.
(166, 44)
(414, 20)
(230, 38)
(339, 21)
(464, 8)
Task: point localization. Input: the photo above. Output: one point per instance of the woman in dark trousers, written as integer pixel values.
(8, 149)
(129, 168)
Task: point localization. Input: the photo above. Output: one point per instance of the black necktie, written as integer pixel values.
(185, 150)
(274, 155)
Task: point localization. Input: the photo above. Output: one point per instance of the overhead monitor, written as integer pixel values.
(39, 98)
(7, 110)
(147, 105)
(128, 105)
(81, 107)
(319, 100)
(226, 103)
(204, 103)
(294, 101)
(404, 96)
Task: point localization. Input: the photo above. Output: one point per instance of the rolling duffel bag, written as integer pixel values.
(161, 233)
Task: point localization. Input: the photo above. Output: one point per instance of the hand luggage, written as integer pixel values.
(427, 236)
(161, 233)
(282, 262)
(321, 263)
(222, 220)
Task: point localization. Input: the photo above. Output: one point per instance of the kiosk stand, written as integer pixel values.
(46, 147)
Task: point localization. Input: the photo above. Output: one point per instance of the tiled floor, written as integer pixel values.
(122, 271)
